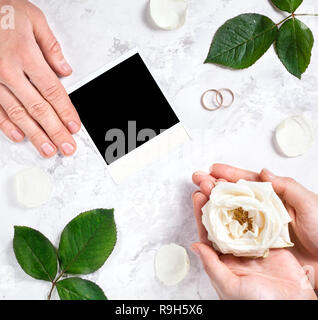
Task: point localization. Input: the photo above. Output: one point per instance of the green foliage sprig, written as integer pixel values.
(85, 244)
(241, 41)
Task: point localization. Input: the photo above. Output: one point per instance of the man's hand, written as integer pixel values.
(280, 276)
(33, 102)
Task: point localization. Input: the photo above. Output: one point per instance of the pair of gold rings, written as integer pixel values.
(218, 101)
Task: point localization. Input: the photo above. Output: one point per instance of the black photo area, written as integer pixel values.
(123, 97)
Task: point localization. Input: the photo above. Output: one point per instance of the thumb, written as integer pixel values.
(220, 275)
(288, 189)
(48, 44)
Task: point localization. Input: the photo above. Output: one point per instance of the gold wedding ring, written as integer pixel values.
(218, 102)
(219, 99)
(232, 95)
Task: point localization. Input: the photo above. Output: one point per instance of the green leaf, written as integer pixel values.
(287, 5)
(35, 253)
(79, 289)
(294, 44)
(87, 241)
(241, 41)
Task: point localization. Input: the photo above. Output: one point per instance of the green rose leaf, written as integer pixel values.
(287, 5)
(87, 241)
(79, 289)
(294, 44)
(35, 253)
(241, 41)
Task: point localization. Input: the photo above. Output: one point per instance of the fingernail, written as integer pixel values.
(195, 250)
(65, 66)
(200, 173)
(73, 127)
(67, 148)
(16, 135)
(269, 174)
(211, 168)
(47, 149)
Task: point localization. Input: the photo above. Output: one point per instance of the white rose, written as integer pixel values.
(246, 219)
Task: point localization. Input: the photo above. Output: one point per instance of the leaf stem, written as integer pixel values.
(60, 276)
(306, 14)
(51, 291)
(54, 284)
(277, 24)
(297, 14)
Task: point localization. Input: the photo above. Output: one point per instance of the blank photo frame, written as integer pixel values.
(126, 116)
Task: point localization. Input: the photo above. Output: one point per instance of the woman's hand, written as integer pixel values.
(280, 276)
(33, 102)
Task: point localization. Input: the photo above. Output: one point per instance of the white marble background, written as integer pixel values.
(154, 207)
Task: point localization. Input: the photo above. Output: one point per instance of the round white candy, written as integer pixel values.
(295, 136)
(169, 14)
(172, 264)
(33, 187)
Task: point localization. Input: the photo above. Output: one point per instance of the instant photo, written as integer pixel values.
(127, 116)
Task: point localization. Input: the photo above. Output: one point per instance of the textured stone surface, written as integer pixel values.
(154, 207)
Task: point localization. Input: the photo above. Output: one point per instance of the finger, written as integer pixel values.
(9, 129)
(232, 174)
(49, 45)
(198, 176)
(50, 87)
(289, 190)
(221, 276)
(291, 211)
(199, 200)
(41, 111)
(206, 187)
(19, 116)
